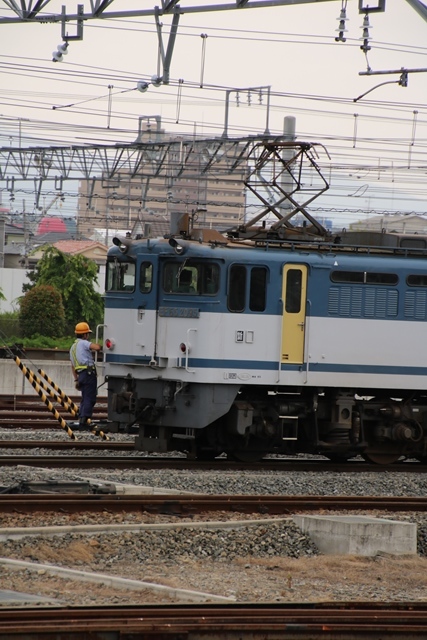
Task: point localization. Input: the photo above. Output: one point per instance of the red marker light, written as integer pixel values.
(183, 347)
(109, 344)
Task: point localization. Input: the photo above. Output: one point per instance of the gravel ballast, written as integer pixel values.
(267, 562)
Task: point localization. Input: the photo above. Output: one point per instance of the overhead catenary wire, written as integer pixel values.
(124, 104)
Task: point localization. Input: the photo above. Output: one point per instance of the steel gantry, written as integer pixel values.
(272, 169)
(170, 159)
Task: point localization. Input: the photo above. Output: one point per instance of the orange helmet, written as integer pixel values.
(82, 327)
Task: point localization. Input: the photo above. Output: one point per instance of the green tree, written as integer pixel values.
(75, 278)
(42, 312)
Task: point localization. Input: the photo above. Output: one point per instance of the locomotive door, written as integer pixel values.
(146, 315)
(294, 292)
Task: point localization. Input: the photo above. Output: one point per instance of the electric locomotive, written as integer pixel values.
(269, 341)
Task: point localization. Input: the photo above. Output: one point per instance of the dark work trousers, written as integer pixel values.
(89, 390)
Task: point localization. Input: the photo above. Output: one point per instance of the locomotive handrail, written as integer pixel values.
(307, 338)
(98, 326)
(281, 342)
(187, 349)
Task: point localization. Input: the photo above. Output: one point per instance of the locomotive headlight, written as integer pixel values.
(109, 344)
(179, 246)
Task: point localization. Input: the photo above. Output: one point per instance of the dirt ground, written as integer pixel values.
(321, 578)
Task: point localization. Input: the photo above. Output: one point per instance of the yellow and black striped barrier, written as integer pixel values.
(69, 405)
(66, 400)
(31, 379)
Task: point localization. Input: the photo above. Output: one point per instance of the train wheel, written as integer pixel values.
(205, 454)
(245, 456)
(376, 457)
(245, 448)
(336, 457)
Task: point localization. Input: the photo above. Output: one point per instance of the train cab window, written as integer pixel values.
(258, 289)
(146, 277)
(120, 276)
(417, 280)
(190, 277)
(364, 277)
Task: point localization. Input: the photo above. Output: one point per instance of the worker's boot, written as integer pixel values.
(83, 423)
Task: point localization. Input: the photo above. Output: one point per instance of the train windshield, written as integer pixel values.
(120, 276)
(190, 277)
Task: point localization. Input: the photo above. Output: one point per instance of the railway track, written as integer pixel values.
(27, 412)
(71, 459)
(195, 503)
(30, 412)
(346, 621)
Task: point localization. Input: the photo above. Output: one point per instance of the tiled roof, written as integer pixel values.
(77, 246)
(50, 238)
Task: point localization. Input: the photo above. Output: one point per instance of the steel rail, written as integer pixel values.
(28, 412)
(347, 620)
(195, 503)
(143, 461)
(67, 445)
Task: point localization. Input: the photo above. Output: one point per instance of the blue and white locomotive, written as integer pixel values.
(219, 343)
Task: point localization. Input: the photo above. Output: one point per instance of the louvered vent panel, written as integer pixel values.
(370, 303)
(392, 303)
(420, 305)
(333, 305)
(345, 298)
(409, 304)
(380, 303)
(356, 302)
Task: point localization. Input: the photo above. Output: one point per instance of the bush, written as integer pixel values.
(42, 312)
(9, 325)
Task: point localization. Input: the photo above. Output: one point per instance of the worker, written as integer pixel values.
(84, 371)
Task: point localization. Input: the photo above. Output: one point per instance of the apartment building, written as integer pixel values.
(214, 197)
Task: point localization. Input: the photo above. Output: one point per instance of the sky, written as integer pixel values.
(374, 149)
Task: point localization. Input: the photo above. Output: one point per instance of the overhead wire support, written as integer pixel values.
(98, 13)
(370, 72)
(402, 82)
(166, 57)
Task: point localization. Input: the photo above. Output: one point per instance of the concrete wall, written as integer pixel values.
(13, 381)
(11, 281)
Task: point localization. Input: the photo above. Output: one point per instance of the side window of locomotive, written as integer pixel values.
(189, 277)
(237, 288)
(417, 280)
(179, 277)
(258, 289)
(146, 277)
(120, 276)
(209, 279)
(293, 291)
(364, 277)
